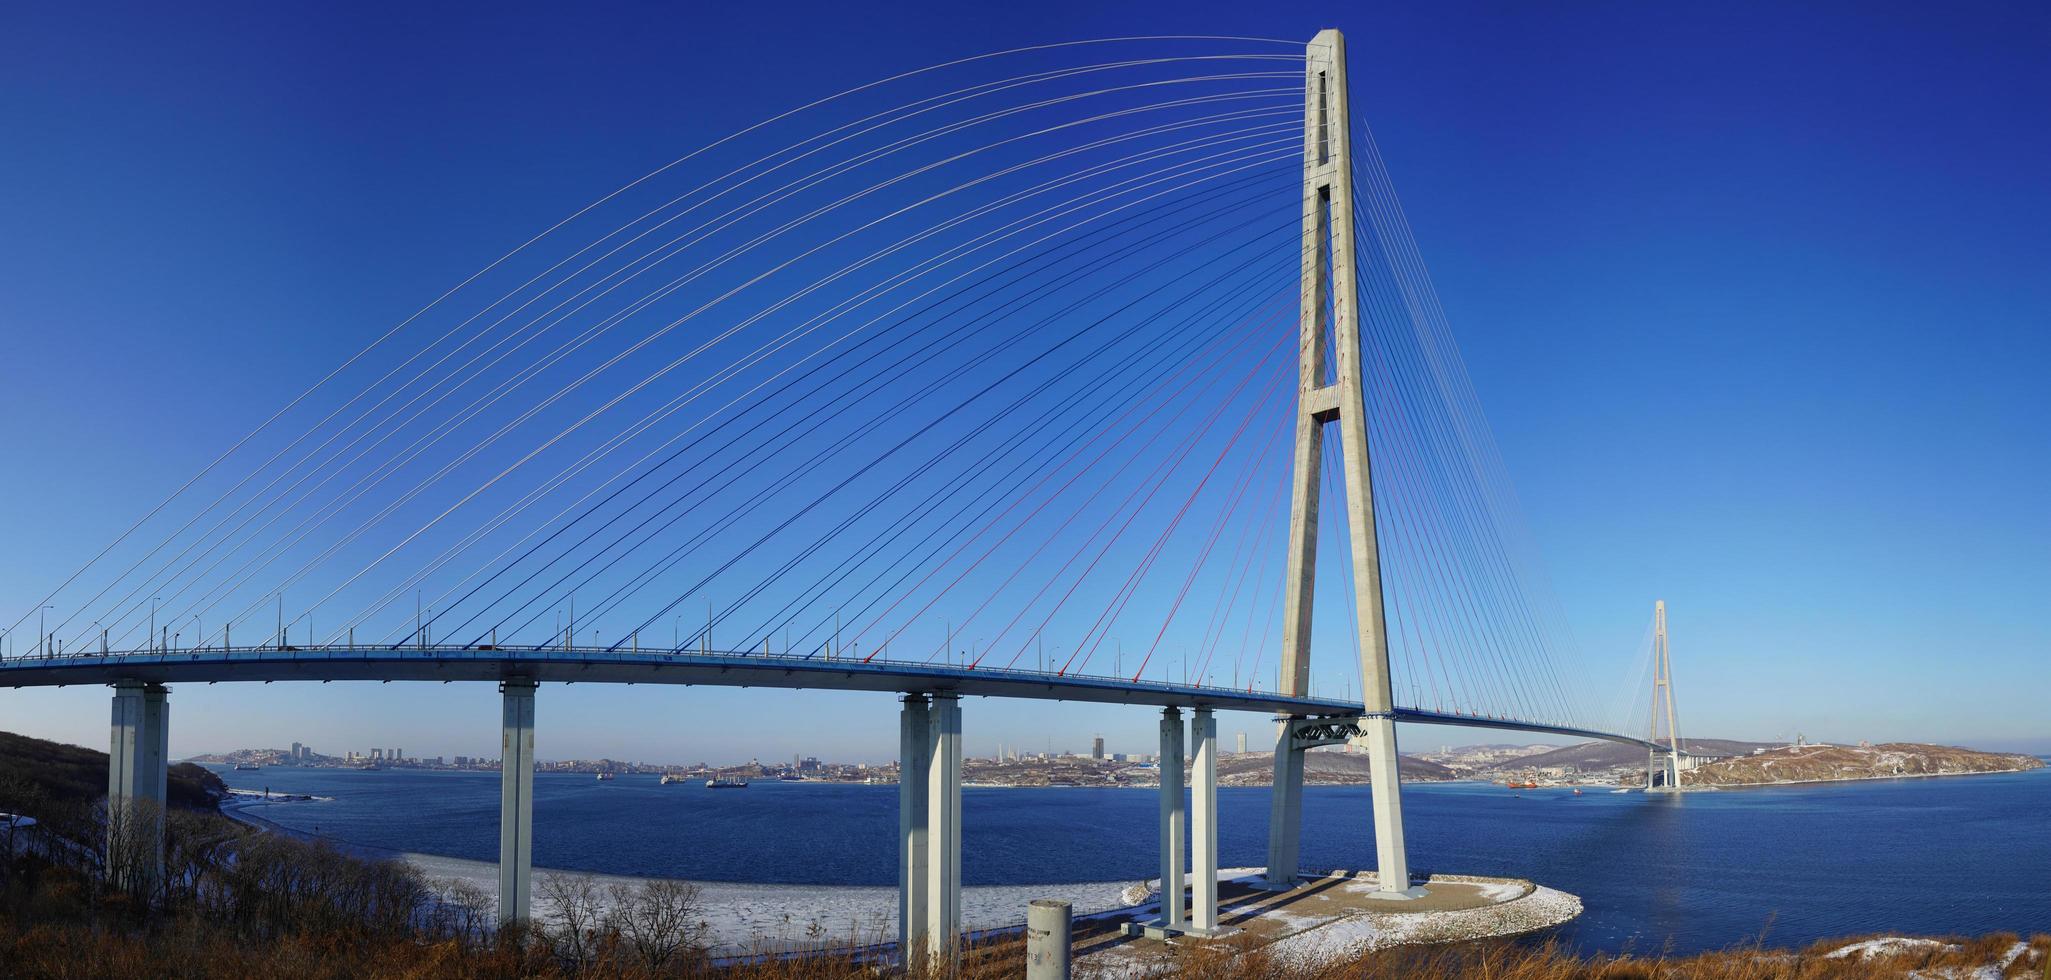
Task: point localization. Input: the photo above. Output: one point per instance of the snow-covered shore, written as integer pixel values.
(741, 917)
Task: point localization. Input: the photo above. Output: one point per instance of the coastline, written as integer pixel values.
(1867, 779)
(742, 918)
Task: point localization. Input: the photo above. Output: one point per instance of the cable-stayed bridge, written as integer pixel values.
(973, 381)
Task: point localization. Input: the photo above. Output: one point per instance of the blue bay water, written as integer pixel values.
(1793, 864)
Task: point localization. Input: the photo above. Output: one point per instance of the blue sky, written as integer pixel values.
(1753, 299)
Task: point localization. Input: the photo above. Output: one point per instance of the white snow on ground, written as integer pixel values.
(1886, 946)
(1350, 936)
(1991, 971)
(742, 917)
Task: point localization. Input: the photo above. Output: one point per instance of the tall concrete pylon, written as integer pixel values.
(1663, 695)
(1333, 392)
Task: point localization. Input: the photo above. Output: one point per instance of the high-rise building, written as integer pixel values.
(1242, 742)
(377, 755)
(1097, 748)
(296, 747)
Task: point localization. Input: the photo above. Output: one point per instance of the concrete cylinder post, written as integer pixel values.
(1203, 829)
(516, 802)
(1174, 821)
(914, 768)
(1048, 923)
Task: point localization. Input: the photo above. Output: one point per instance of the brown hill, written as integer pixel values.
(1323, 767)
(1819, 763)
(35, 774)
(1592, 756)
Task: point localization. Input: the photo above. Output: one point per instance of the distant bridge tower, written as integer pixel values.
(1332, 392)
(1663, 696)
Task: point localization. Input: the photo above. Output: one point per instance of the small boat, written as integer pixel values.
(669, 777)
(1577, 791)
(247, 767)
(605, 777)
(717, 783)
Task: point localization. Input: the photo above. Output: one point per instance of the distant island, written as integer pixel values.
(1834, 763)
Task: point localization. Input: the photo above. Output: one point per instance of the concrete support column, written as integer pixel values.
(1203, 830)
(1392, 861)
(914, 770)
(137, 755)
(943, 837)
(516, 802)
(1174, 821)
(1285, 809)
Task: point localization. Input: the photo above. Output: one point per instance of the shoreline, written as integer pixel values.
(745, 918)
(1867, 779)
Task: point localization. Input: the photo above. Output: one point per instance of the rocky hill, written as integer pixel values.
(1596, 756)
(1323, 767)
(1818, 763)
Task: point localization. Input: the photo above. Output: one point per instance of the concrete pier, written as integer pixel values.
(1203, 828)
(943, 831)
(516, 802)
(137, 755)
(1174, 820)
(1285, 808)
(914, 771)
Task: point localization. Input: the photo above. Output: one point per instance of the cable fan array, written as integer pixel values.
(987, 363)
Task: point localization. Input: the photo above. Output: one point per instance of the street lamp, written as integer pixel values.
(153, 618)
(42, 640)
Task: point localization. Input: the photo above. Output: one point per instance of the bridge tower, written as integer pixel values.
(1663, 695)
(1329, 392)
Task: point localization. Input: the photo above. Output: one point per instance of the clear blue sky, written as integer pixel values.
(1754, 297)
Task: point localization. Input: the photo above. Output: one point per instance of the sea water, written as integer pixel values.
(1791, 864)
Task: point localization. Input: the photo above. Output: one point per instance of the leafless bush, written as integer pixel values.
(660, 920)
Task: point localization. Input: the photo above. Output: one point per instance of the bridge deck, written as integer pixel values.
(601, 665)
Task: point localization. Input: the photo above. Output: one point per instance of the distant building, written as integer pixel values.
(1097, 748)
(295, 751)
(1242, 742)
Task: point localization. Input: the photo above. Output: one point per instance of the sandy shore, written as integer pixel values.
(742, 917)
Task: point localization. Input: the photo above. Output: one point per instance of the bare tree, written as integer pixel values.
(659, 919)
(571, 904)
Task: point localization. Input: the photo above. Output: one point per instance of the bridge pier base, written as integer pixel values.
(137, 755)
(1174, 821)
(1203, 830)
(516, 802)
(1285, 808)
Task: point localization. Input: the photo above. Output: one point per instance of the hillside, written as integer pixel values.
(1594, 756)
(1813, 763)
(1323, 767)
(35, 773)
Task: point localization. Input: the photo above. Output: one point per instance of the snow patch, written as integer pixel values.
(1887, 946)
